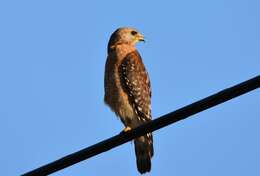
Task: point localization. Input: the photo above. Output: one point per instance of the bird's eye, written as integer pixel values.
(133, 32)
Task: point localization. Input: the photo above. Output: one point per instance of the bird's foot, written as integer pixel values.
(126, 129)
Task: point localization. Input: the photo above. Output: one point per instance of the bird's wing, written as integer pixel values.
(136, 84)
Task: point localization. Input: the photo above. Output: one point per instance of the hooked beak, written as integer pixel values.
(140, 37)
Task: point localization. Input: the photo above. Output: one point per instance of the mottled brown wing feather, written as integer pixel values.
(136, 83)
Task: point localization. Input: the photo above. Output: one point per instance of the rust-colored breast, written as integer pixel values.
(115, 96)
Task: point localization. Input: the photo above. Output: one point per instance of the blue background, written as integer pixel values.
(52, 56)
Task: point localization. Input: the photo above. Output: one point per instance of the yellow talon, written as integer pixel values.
(126, 129)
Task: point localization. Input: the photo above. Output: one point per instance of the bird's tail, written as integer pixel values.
(144, 152)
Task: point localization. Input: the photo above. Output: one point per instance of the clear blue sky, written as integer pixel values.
(52, 56)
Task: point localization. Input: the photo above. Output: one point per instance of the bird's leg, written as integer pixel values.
(126, 129)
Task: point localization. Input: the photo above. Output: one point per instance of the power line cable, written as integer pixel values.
(156, 124)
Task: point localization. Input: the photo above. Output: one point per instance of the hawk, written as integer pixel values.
(128, 90)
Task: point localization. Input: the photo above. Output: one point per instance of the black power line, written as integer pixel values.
(156, 124)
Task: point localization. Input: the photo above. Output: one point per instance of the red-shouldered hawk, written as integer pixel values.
(128, 91)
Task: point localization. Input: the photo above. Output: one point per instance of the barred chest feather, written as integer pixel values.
(115, 96)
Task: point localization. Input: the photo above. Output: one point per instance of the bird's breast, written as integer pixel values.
(115, 97)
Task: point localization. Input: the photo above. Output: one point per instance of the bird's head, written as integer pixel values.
(125, 35)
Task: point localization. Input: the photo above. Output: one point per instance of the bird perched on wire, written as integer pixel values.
(128, 90)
